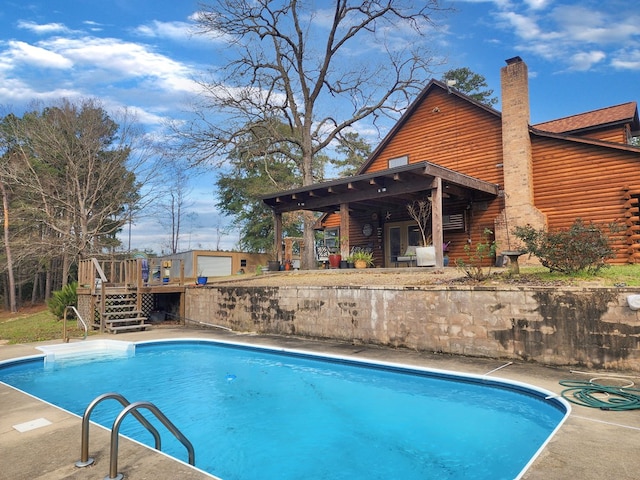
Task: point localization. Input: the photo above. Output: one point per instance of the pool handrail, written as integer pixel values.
(85, 460)
(132, 408)
(65, 337)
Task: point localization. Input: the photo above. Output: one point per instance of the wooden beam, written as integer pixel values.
(277, 235)
(436, 220)
(376, 186)
(459, 179)
(373, 192)
(344, 230)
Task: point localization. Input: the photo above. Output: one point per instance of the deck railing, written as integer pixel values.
(114, 276)
(130, 273)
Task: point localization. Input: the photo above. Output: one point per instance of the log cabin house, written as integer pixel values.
(482, 169)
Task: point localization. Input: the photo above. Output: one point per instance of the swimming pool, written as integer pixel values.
(255, 413)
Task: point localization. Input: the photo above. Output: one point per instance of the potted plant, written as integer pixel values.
(334, 260)
(350, 262)
(420, 211)
(335, 256)
(362, 259)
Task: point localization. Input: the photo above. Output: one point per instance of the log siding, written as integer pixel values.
(586, 176)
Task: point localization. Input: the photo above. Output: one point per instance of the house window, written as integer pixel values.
(331, 238)
(398, 161)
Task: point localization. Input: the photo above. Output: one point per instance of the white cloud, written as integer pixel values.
(93, 26)
(17, 91)
(43, 29)
(22, 52)
(179, 31)
(125, 60)
(525, 27)
(119, 72)
(583, 61)
(578, 36)
(537, 4)
(497, 3)
(626, 59)
(582, 24)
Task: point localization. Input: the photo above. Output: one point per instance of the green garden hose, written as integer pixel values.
(591, 394)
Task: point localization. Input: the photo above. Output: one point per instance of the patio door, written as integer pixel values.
(398, 236)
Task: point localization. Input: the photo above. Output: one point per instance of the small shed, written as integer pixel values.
(210, 263)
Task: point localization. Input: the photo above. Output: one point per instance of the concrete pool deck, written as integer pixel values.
(592, 444)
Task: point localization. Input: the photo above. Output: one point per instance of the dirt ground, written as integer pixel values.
(396, 277)
(26, 311)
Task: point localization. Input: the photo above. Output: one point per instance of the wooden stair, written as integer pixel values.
(121, 313)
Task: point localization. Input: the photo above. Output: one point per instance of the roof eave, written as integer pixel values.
(412, 108)
(584, 140)
(393, 182)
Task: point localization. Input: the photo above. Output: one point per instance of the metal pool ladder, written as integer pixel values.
(132, 408)
(65, 334)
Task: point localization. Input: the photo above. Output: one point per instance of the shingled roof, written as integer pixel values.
(604, 117)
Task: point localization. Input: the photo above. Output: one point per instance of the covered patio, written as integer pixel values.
(371, 209)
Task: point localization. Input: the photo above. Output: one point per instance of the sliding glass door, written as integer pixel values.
(398, 236)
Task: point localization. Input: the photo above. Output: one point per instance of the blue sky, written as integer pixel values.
(582, 55)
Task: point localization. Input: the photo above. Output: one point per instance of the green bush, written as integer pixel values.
(581, 248)
(62, 298)
(476, 257)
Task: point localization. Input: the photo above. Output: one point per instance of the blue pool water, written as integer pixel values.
(255, 414)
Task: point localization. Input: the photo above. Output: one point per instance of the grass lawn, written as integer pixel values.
(33, 324)
(612, 276)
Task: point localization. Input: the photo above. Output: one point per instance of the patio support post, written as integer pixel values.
(277, 235)
(344, 230)
(436, 219)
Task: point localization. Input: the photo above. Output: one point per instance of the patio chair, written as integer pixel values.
(408, 257)
(322, 254)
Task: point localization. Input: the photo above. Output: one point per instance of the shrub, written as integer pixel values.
(581, 248)
(473, 267)
(62, 298)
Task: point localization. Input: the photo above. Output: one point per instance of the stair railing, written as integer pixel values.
(65, 334)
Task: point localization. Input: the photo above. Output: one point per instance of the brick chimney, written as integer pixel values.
(517, 161)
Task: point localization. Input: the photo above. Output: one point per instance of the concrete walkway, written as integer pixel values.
(592, 444)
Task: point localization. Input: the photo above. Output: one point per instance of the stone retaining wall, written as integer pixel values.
(592, 327)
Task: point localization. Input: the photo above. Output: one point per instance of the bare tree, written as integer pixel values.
(11, 287)
(318, 71)
(77, 169)
(174, 205)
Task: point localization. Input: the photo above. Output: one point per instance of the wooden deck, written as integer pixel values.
(116, 296)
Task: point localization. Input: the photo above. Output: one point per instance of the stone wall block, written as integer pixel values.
(563, 326)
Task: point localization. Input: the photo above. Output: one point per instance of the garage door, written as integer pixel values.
(214, 266)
